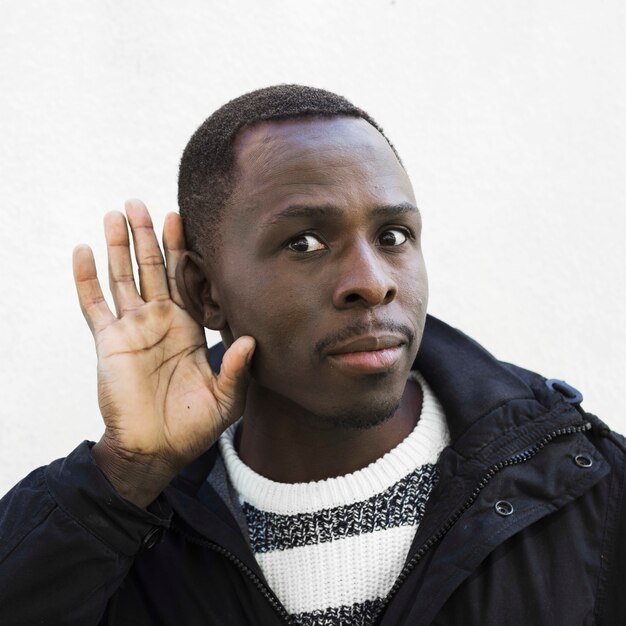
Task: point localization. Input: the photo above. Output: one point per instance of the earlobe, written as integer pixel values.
(198, 292)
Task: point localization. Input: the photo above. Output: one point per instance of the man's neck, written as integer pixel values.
(284, 443)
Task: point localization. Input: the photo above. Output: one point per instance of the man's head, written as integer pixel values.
(318, 258)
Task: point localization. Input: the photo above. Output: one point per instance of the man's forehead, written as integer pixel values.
(276, 141)
(340, 161)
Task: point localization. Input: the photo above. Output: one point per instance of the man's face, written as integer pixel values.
(321, 263)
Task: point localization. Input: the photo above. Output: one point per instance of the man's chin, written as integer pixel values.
(361, 417)
(366, 401)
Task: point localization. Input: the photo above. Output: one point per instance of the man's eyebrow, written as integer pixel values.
(303, 210)
(393, 210)
(324, 210)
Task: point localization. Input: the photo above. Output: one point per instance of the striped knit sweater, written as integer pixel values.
(332, 549)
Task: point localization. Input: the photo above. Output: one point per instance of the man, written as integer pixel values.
(353, 462)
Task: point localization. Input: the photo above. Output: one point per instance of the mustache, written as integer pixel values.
(355, 330)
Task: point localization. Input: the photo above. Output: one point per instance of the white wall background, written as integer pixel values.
(510, 116)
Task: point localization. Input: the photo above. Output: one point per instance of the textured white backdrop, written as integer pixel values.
(510, 118)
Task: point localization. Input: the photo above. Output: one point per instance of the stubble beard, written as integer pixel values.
(358, 418)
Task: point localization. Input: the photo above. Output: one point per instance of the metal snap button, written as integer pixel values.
(503, 507)
(583, 461)
(153, 537)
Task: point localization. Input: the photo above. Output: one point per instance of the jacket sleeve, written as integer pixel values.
(67, 540)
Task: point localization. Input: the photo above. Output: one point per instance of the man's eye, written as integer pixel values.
(306, 243)
(393, 237)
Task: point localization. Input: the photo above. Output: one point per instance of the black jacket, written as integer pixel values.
(527, 524)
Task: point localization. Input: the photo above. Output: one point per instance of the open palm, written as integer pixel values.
(161, 403)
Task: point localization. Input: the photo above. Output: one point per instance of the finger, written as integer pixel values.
(152, 278)
(92, 302)
(174, 246)
(232, 381)
(121, 279)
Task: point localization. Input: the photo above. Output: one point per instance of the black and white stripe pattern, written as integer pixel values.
(331, 550)
(358, 614)
(402, 504)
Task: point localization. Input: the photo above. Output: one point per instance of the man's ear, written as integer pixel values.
(197, 291)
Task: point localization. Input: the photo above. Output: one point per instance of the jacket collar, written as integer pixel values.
(468, 381)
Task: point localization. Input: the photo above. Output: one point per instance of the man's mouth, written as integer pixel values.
(367, 353)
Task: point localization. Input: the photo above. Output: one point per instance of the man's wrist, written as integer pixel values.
(140, 480)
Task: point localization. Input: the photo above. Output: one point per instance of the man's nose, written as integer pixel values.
(364, 278)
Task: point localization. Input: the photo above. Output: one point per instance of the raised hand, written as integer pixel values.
(161, 403)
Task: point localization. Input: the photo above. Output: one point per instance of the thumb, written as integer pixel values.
(232, 381)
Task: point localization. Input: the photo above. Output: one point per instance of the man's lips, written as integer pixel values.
(367, 354)
(367, 343)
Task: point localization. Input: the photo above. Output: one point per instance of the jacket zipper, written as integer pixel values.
(268, 594)
(516, 459)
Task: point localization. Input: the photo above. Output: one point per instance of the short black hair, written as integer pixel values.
(206, 175)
